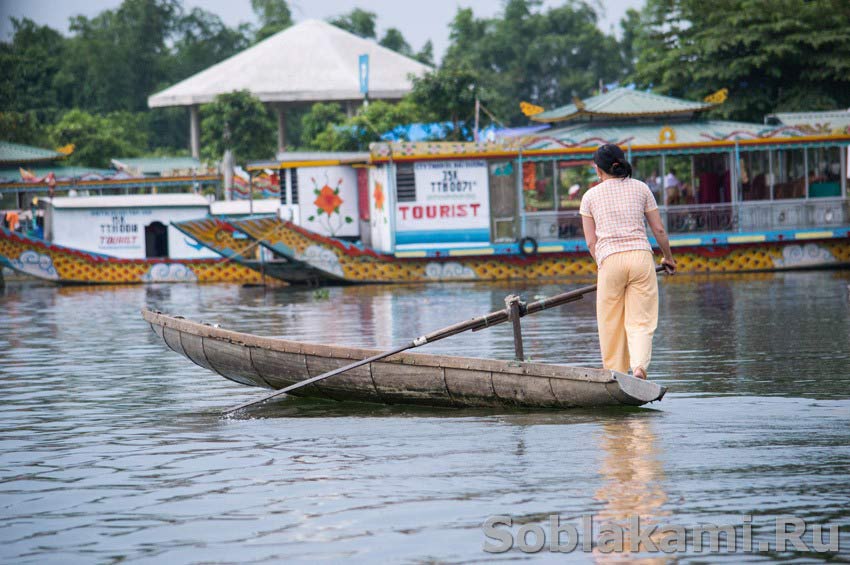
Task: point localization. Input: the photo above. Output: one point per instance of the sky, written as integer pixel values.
(418, 20)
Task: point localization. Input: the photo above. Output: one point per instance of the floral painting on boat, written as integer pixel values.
(331, 198)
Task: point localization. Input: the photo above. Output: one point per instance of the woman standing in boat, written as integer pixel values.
(613, 214)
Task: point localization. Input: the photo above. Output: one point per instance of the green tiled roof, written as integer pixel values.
(593, 134)
(12, 153)
(156, 165)
(12, 174)
(622, 103)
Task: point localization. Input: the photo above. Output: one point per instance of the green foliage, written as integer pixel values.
(317, 120)
(426, 54)
(448, 94)
(393, 39)
(274, 16)
(325, 127)
(237, 121)
(772, 56)
(117, 56)
(112, 62)
(200, 40)
(99, 138)
(543, 57)
(783, 56)
(28, 66)
(357, 21)
(23, 127)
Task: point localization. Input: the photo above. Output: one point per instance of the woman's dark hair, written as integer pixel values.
(610, 158)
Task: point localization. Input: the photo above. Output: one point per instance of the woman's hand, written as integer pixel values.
(669, 265)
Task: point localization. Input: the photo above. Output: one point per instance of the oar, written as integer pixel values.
(491, 319)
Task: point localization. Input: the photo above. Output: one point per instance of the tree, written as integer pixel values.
(23, 127)
(200, 40)
(326, 128)
(237, 121)
(357, 21)
(393, 39)
(274, 16)
(317, 120)
(630, 28)
(426, 54)
(29, 65)
(448, 94)
(116, 58)
(97, 139)
(543, 57)
(790, 55)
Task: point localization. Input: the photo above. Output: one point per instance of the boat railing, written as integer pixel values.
(703, 218)
(757, 215)
(563, 224)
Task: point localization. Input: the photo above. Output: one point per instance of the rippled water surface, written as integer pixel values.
(113, 449)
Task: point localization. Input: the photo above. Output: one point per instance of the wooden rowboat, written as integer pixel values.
(405, 378)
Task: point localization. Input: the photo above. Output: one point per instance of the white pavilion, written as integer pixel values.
(312, 61)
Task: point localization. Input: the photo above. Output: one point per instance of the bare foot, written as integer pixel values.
(639, 373)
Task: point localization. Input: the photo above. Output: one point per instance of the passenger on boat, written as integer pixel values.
(613, 214)
(11, 220)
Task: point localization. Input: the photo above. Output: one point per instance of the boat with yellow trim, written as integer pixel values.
(340, 260)
(734, 196)
(60, 264)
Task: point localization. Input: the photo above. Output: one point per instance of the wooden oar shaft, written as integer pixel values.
(321, 377)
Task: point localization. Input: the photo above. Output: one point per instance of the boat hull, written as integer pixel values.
(342, 261)
(55, 263)
(406, 378)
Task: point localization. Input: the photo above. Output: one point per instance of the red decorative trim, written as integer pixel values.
(347, 249)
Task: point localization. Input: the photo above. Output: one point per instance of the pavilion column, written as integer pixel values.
(195, 131)
(281, 128)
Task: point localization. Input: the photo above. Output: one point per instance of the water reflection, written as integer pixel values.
(632, 484)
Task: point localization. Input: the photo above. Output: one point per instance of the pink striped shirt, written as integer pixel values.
(618, 207)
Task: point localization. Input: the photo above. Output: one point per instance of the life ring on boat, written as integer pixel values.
(524, 242)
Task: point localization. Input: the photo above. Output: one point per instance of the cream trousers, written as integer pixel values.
(627, 309)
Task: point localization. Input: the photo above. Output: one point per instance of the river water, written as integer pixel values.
(113, 449)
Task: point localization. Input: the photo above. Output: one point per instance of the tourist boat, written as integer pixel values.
(59, 264)
(735, 197)
(120, 240)
(405, 378)
(342, 261)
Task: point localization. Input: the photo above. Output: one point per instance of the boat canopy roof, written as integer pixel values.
(131, 201)
(16, 153)
(621, 103)
(244, 207)
(837, 121)
(292, 159)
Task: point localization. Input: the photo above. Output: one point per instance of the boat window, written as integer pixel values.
(713, 178)
(282, 184)
(156, 240)
(405, 182)
(754, 167)
(647, 169)
(789, 174)
(293, 175)
(677, 183)
(824, 172)
(538, 186)
(574, 179)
